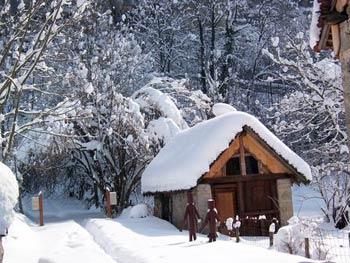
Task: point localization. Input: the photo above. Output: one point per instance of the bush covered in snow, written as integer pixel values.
(137, 211)
(8, 197)
(291, 239)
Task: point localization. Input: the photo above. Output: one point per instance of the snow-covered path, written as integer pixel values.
(153, 240)
(72, 234)
(61, 240)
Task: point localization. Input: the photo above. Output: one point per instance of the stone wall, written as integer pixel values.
(179, 201)
(284, 193)
(201, 194)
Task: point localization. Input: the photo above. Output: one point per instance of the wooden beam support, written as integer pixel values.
(241, 206)
(238, 179)
(242, 156)
(336, 39)
(340, 4)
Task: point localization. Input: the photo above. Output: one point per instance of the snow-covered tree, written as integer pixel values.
(124, 134)
(106, 56)
(216, 44)
(29, 34)
(311, 119)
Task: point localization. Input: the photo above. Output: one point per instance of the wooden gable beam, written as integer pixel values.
(242, 156)
(216, 167)
(299, 177)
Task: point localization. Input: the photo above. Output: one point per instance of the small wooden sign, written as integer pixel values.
(35, 203)
(113, 196)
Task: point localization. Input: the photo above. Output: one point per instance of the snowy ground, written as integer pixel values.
(154, 240)
(61, 239)
(306, 202)
(74, 234)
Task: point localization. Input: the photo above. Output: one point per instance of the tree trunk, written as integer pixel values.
(345, 66)
(212, 45)
(202, 57)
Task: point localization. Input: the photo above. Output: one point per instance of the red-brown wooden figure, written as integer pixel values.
(212, 219)
(192, 216)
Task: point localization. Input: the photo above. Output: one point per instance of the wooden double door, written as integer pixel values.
(251, 200)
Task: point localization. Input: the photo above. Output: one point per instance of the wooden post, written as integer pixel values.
(271, 238)
(272, 230)
(108, 203)
(41, 209)
(345, 66)
(349, 240)
(237, 235)
(307, 247)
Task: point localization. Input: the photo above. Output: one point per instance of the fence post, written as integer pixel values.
(41, 210)
(349, 239)
(108, 201)
(271, 238)
(307, 247)
(237, 226)
(272, 229)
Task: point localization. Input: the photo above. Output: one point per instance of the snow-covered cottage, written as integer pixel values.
(232, 158)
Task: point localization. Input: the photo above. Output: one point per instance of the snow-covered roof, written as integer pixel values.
(188, 156)
(315, 28)
(320, 8)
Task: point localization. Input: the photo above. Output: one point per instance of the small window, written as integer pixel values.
(233, 167)
(251, 165)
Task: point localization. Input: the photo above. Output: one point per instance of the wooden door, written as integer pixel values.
(166, 210)
(225, 204)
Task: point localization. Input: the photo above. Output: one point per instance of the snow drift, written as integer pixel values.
(8, 197)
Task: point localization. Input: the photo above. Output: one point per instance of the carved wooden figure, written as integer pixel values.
(191, 215)
(212, 219)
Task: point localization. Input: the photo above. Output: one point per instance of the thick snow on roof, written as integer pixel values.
(315, 29)
(8, 197)
(189, 155)
(222, 108)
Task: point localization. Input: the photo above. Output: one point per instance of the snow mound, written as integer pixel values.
(137, 211)
(188, 156)
(222, 108)
(21, 237)
(8, 197)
